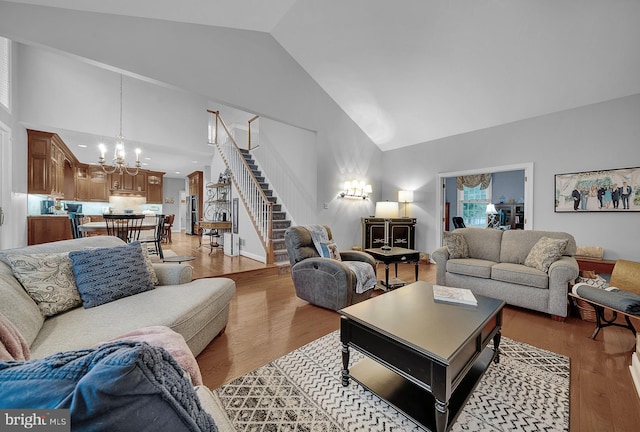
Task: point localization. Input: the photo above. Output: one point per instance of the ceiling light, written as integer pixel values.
(119, 162)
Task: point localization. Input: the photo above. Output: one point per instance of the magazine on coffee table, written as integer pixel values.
(454, 295)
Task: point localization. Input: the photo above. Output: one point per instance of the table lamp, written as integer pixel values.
(491, 211)
(405, 197)
(386, 210)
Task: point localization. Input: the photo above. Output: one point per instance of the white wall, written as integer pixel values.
(255, 74)
(295, 184)
(62, 92)
(599, 136)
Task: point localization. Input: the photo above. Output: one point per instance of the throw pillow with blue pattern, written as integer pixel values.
(107, 274)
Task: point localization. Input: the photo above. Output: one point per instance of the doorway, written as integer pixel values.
(528, 193)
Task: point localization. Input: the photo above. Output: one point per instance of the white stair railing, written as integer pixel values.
(254, 199)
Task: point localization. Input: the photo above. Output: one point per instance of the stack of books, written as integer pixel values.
(454, 295)
(635, 365)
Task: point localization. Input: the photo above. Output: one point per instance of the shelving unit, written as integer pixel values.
(217, 213)
(513, 215)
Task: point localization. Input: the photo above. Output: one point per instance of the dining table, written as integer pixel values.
(100, 228)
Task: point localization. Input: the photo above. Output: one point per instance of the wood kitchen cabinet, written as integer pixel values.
(196, 187)
(154, 187)
(98, 190)
(46, 229)
(54, 171)
(82, 183)
(51, 166)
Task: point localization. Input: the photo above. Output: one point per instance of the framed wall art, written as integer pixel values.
(614, 190)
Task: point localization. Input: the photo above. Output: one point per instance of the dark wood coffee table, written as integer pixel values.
(395, 255)
(423, 357)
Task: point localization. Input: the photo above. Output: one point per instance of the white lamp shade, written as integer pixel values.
(491, 209)
(367, 189)
(387, 209)
(405, 196)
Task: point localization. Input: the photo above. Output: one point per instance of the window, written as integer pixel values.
(472, 205)
(4, 72)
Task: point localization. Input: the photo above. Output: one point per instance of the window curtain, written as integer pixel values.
(471, 181)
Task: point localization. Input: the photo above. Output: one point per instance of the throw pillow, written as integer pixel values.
(597, 281)
(107, 274)
(545, 252)
(456, 245)
(149, 264)
(48, 279)
(116, 386)
(330, 250)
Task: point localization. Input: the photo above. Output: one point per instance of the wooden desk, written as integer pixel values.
(219, 226)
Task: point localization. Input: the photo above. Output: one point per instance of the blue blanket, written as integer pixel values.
(614, 298)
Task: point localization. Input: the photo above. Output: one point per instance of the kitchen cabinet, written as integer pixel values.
(196, 187)
(98, 185)
(51, 165)
(45, 229)
(154, 187)
(82, 183)
(54, 171)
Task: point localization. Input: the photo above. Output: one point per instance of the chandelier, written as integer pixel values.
(118, 162)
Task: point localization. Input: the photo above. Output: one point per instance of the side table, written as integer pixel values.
(599, 265)
(394, 256)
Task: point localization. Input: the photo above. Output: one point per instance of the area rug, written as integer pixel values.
(301, 391)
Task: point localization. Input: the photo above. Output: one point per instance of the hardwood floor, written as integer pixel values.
(267, 320)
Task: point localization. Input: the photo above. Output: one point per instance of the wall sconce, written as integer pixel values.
(405, 197)
(492, 221)
(386, 210)
(356, 189)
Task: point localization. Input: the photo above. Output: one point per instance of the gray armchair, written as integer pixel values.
(324, 282)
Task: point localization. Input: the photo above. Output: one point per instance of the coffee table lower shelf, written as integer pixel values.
(412, 400)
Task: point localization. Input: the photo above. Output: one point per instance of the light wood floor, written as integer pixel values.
(267, 320)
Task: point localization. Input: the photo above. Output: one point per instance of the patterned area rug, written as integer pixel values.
(301, 391)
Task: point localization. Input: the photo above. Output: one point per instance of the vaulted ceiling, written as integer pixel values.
(413, 71)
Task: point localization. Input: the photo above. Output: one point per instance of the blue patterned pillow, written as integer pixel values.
(107, 274)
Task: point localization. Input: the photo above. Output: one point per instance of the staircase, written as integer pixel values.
(280, 222)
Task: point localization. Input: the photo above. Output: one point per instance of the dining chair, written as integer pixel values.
(156, 238)
(166, 230)
(125, 226)
(76, 221)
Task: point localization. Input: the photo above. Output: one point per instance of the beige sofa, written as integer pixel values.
(198, 310)
(495, 268)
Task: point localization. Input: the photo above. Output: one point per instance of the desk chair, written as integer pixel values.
(458, 222)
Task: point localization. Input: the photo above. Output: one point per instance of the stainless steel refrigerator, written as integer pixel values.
(192, 214)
